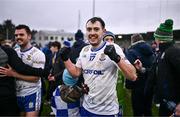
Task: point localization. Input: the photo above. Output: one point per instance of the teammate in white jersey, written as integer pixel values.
(99, 63)
(28, 89)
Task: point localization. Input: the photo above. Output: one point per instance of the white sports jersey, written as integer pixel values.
(100, 74)
(35, 58)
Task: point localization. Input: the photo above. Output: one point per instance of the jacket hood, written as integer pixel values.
(143, 47)
(78, 43)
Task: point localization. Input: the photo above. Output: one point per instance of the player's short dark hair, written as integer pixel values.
(94, 19)
(22, 26)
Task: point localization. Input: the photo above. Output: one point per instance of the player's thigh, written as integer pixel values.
(32, 114)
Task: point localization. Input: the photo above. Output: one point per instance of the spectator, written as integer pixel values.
(109, 36)
(140, 51)
(57, 68)
(77, 46)
(48, 54)
(167, 69)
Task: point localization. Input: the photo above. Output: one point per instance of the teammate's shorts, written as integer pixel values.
(29, 103)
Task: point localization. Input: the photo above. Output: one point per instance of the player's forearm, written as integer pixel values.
(128, 70)
(26, 78)
(15, 62)
(73, 70)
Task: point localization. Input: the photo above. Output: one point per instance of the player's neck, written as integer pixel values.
(26, 47)
(97, 46)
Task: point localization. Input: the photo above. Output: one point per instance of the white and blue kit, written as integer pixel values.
(100, 74)
(30, 91)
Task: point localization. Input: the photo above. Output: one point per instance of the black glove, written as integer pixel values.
(65, 53)
(111, 52)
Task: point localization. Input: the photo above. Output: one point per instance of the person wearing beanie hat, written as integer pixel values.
(166, 70)
(79, 35)
(109, 36)
(67, 43)
(165, 31)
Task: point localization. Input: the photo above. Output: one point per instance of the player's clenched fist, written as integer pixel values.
(111, 52)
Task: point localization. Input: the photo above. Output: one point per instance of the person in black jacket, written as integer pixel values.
(164, 81)
(139, 51)
(168, 68)
(8, 102)
(57, 68)
(77, 46)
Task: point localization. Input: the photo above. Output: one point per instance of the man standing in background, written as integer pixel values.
(168, 68)
(140, 51)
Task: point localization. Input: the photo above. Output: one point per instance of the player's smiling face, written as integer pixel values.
(94, 33)
(22, 37)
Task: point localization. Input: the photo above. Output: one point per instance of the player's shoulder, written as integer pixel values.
(36, 50)
(86, 48)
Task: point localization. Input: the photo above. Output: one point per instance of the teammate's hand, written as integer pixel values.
(139, 67)
(111, 52)
(51, 77)
(138, 64)
(64, 53)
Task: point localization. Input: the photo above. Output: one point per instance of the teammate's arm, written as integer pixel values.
(12, 73)
(16, 63)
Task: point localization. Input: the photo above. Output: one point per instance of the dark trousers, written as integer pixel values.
(9, 107)
(52, 86)
(140, 105)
